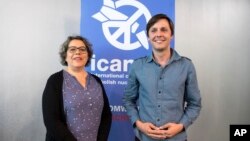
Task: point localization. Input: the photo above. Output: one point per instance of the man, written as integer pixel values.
(162, 97)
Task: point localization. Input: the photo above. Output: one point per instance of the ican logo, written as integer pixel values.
(119, 27)
(239, 132)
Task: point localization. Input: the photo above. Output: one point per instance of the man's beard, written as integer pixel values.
(160, 49)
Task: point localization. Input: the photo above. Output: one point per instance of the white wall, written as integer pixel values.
(215, 34)
(30, 34)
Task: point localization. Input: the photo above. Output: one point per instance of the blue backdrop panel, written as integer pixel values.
(117, 31)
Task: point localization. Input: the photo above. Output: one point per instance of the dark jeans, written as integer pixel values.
(136, 139)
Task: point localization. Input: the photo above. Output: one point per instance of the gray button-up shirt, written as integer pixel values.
(161, 95)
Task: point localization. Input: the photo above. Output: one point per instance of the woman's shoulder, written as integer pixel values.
(56, 75)
(95, 76)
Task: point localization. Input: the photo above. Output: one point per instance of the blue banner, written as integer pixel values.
(117, 30)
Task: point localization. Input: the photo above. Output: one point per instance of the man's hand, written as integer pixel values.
(171, 129)
(150, 130)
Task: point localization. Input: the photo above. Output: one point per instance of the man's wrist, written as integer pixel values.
(181, 127)
(138, 124)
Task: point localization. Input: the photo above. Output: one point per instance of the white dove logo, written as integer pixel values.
(125, 25)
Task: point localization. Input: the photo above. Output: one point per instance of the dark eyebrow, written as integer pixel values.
(77, 47)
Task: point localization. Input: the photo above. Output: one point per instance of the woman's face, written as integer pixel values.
(77, 54)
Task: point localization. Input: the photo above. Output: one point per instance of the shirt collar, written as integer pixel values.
(174, 57)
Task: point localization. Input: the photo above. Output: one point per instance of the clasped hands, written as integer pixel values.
(167, 130)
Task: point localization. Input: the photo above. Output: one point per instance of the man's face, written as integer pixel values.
(160, 35)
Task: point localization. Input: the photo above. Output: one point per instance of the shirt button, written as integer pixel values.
(159, 105)
(158, 119)
(159, 92)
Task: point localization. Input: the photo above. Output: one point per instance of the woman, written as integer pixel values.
(74, 102)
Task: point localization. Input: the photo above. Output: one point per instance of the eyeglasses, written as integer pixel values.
(73, 49)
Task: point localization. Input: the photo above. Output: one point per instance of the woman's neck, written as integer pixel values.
(79, 74)
(76, 72)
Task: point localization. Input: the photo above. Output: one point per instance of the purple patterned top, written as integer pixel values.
(82, 106)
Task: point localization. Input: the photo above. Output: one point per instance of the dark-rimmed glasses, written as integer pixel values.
(81, 50)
